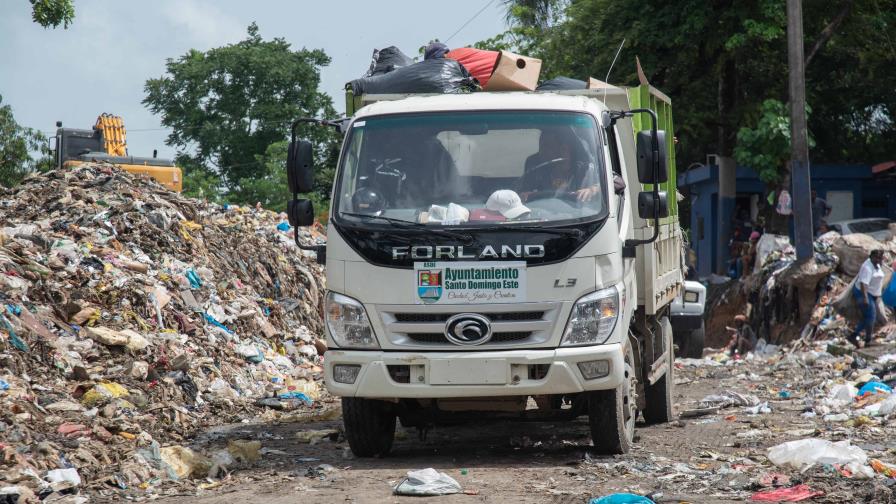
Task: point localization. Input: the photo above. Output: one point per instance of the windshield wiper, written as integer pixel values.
(558, 231)
(416, 226)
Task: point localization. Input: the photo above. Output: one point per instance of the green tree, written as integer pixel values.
(765, 147)
(269, 186)
(199, 181)
(52, 13)
(17, 143)
(719, 60)
(228, 105)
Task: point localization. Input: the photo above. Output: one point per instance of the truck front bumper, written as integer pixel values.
(429, 375)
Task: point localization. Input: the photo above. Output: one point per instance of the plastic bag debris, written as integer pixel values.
(61, 479)
(874, 387)
(841, 395)
(805, 453)
(728, 399)
(386, 60)
(427, 482)
(793, 494)
(761, 408)
(621, 498)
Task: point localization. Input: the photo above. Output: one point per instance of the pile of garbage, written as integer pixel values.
(131, 318)
(461, 70)
(788, 300)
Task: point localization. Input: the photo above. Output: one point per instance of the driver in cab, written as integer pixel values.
(558, 168)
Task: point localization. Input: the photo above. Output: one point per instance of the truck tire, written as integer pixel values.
(658, 396)
(695, 340)
(369, 426)
(612, 413)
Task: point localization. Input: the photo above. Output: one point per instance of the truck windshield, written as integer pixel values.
(473, 168)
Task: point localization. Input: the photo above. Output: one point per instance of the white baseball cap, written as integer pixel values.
(507, 202)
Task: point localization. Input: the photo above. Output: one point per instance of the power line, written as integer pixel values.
(469, 21)
(128, 130)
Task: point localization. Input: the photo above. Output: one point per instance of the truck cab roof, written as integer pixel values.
(402, 104)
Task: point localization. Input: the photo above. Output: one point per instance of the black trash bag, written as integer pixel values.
(440, 75)
(386, 60)
(562, 84)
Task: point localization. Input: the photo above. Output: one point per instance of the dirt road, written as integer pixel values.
(716, 458)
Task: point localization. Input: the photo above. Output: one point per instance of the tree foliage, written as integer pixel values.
(52, 13)
(17, 143)
(765, 146)
(227, 106)
(720, 60)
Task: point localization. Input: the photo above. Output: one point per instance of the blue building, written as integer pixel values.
(853, 192)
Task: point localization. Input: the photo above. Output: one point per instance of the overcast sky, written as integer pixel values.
(101, 63)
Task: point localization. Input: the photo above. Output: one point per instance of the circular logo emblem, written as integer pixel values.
(468, 329)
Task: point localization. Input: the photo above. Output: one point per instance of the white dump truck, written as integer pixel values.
(499, 254)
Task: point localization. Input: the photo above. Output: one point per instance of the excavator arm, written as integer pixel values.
(114, 136)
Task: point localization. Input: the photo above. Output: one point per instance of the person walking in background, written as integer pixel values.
(867, 288)
(820, 211)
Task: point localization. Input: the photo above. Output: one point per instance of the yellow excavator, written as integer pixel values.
(107, 141)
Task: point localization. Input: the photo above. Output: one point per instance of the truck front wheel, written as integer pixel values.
(612, 413)
(695, 340)
(369, 426)
(658, 396)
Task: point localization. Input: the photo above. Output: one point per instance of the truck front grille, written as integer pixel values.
(443, 317)
(496, 338)
(423, 326)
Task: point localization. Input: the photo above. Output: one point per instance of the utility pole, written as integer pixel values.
(800, 180)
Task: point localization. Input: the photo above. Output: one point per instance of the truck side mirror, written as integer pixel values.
(648, 201)
(300, 212)
(646, 156)
(300, 167)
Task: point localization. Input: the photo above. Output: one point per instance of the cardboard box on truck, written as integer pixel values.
(514, 73)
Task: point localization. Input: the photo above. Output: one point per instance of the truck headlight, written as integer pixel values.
(348, 323)
(592, 319)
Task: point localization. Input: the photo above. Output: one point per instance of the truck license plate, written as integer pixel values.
(461, 372)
